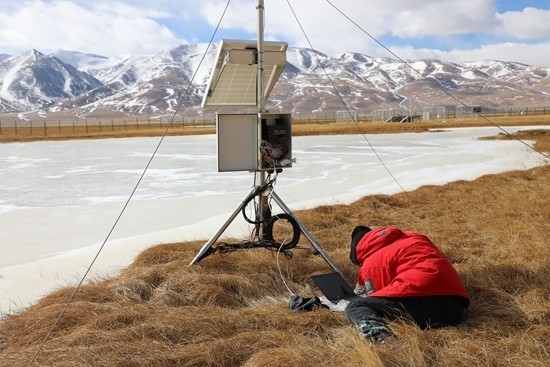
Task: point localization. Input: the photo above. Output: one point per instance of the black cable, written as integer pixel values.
(434, 81)
(259, 190)
(224, 248)
(71, 298)
(296, 231)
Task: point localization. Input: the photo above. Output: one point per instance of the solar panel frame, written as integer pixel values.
(233, 81)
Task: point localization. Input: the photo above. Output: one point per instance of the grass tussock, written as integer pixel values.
(231, 310)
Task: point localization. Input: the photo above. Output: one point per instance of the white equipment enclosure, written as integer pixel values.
(238, 142)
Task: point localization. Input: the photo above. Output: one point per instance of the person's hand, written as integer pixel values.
(360, 290)
(336, 307)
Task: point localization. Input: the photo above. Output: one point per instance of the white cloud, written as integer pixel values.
(105, 28)
(530, 23)
(443, 18)
(518, 52)
(137, 26)
(331, 33)
(239, 15)
(402, 18)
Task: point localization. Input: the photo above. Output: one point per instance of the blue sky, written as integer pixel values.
(453, 30)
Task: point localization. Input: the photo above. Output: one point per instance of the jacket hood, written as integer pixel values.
(376, 239)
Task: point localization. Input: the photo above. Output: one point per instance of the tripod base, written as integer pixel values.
(206, 250)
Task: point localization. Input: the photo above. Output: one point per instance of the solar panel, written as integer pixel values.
(234, 78)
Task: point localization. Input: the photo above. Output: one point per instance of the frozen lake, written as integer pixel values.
(59, 199)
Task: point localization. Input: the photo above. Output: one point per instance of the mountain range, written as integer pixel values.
(312, 82)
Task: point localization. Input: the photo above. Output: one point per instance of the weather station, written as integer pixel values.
(261, 142)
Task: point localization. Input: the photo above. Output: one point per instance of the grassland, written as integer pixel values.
(231, 310)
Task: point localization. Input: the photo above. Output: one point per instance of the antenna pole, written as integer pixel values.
(263, 208)
(261, 96)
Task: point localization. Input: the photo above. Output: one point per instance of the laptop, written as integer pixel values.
(333, 286)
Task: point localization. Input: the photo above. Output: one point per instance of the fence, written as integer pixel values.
(462, 112)
(20, 127)
(46, 128)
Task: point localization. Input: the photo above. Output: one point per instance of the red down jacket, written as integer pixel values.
(405, 264)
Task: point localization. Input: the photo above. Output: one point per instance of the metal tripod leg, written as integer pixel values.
(204, 250)
(306, 233)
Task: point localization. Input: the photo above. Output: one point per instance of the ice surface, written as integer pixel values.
(60, 199)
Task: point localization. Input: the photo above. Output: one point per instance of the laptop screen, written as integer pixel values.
(333, 286)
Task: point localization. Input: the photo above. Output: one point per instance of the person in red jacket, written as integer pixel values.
(402, 274)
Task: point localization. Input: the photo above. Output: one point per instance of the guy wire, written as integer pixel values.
(79, 285)
(344, 103)
(431, 80)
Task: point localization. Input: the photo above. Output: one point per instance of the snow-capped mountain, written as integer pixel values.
(367, 83)
(149, 84)
(33, 80)
(311, 82)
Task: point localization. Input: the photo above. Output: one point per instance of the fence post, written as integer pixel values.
(45, 131)
(15, 124)
(73, 129)
(99, 125)
(112, 125)
(0, 127)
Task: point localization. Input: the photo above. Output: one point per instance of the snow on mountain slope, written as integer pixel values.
(33, 80)
(311, 82)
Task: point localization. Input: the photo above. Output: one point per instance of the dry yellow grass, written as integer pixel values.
(118, 130)
(231, 310)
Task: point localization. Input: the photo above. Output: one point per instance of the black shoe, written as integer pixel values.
(374, 330)
(299, 303)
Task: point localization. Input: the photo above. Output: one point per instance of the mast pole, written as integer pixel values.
(261, 95)
(263, 208)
